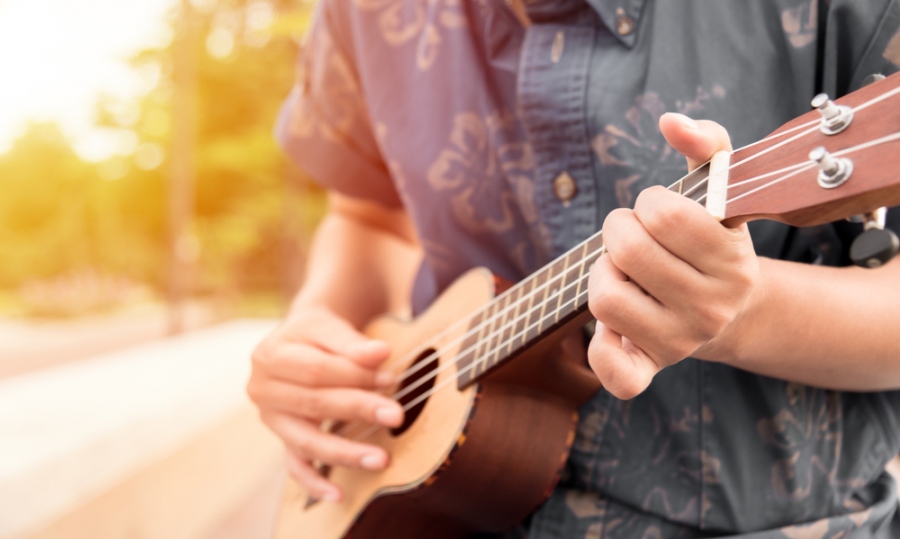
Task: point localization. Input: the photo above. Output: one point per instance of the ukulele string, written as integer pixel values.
(531, 295)
(865, 145)
(809, 127)
(508, 326)
(559, 294)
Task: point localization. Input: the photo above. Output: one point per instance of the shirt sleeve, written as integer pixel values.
(324, 126)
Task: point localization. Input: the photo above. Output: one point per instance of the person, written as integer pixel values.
(750, 376)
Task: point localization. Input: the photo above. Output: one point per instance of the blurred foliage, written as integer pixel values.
(61, 216)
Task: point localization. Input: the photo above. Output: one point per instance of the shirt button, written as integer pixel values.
(564, 188)
(624, 23)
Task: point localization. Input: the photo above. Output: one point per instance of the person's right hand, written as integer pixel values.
(316, 367)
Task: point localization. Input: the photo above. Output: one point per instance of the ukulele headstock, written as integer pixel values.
(840, 160)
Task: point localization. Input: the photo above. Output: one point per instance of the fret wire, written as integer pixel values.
(528, 311)
(544, 301)
(562, 285)
(496, 331)
(485, 327)
(518, 305)
(503, 329)
(408, 406)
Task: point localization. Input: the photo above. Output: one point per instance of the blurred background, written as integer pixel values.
(151, 232)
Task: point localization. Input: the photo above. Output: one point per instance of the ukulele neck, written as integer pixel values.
(544, 302)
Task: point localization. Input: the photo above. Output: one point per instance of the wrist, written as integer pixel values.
(733, 346)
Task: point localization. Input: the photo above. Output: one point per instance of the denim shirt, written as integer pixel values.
(508, 143)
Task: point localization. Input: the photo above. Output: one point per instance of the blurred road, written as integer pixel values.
(151, 440)
(32, 345)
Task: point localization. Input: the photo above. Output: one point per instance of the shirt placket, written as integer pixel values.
(552, 95)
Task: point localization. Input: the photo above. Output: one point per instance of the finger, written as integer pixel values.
(624, 369)
(331, 403)
(623, 307)
(339, 337)
(634, 252)
(309, 441)
(697, 140)
(312, 367)
(686, 230)
(317, 486)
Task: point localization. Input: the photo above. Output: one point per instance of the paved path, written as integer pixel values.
(77, 430)
(27, 346)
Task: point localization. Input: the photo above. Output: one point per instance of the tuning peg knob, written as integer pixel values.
(874, 77)
(835, 118)
(874, 248)
(833, 172)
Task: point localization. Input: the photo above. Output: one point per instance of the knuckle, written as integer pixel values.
(312, 404)
(250, 390)
(628, 252)
(594, 355)
(263, 355)
(365, 409)
(253, 390)
(614, 220)
(659, 223)
(623, 384)
(648, 198)
(339, 453)
(604, 301)
(312, 373)
(304, 444)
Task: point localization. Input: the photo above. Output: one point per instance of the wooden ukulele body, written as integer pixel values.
(478, 459)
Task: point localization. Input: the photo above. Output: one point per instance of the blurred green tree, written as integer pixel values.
(252, 210)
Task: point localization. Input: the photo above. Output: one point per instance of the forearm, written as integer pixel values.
(358, 269)
(837, 328)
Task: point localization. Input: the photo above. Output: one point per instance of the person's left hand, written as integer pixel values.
(673, 280)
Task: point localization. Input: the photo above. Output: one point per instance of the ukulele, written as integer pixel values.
(493, 375)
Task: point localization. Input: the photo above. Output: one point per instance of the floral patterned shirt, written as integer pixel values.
(508, 144)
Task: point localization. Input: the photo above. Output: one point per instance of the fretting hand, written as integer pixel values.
(674, 281)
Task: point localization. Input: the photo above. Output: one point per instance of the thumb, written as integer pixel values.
(697, 140)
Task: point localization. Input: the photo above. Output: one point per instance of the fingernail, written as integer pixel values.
(373, 462)
(385, 379)
(685, 121)
(387, 415)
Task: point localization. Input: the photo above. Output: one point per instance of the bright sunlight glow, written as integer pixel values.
(58, 56)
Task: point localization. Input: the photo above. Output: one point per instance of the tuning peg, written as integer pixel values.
(833, 172)
(874, 77)
(835, 118)
(876, 246)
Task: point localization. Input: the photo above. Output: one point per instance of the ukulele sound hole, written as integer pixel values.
(422, 382)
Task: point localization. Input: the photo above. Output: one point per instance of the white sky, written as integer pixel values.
(57, 56)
